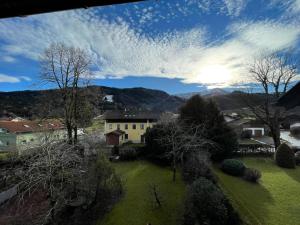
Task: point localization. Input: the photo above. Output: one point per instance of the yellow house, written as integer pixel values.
(124, 126)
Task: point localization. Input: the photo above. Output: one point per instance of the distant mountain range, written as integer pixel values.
(43, 103)
(204, 92)
(48, 103)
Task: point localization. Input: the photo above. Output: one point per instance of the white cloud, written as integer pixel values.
(13, 79)
(8, 79)
(8, 59)
(25, 78)
(119, 50)
(290, 7)
(266, 35)
(235, 7)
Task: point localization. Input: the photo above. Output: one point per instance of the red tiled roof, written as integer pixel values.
(28, 126)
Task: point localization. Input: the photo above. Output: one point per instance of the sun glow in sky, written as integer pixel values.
(189, 43)
(214, 74)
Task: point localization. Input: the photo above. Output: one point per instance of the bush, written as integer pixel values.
(127, 153)
(297, 158)
(252, 175)
(197, 165)
(115, 150)
(295, 131)
(285, 156)
(233, 167)
(205, 204)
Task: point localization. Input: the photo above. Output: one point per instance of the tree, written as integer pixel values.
(199, 112)
(181, 140)
(76, 184)
(274, 74)
(68, 69)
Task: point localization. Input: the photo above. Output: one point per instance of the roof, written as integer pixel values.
(291, 98)
(130, 115)
(116, 132)
(12, 8)
(30, 126)
(254, 123)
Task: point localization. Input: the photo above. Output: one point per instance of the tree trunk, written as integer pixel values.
(75, 134)
(276, 129)
(69, 130)
(174, 169)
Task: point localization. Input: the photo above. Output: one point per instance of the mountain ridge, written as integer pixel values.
(40, 103)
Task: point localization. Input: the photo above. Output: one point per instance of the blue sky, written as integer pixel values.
(173, 45)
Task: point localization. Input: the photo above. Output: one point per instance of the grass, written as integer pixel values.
(97, 125)
(274, 201)
(3, 155)
(137, 206)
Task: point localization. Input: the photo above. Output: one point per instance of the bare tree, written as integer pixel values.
(55, 169)
(68, 69)
(181, 140)
(274, 74)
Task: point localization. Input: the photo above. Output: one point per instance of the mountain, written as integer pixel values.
(237, 100)
(32, 104)
(204, 92)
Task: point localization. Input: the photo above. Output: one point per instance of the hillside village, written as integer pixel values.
(124, 134)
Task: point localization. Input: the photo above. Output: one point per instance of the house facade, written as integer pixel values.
(22, 135)
(124, 126)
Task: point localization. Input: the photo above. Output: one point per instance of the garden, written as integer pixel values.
(274, 200)
(139, 205)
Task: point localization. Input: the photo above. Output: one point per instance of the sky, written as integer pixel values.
(177, 46)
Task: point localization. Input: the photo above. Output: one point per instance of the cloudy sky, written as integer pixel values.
(174, 45)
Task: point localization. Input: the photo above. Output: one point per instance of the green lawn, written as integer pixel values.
(97, 125)
(136, 207)
(3, 155)
(274, 201)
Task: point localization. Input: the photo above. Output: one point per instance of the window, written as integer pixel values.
(134, 126)
(126, 136)
(7, 143)
(31, 139)
(24, 141)
(126, 126)
(110, 126)
(142, 126)
(118, 126)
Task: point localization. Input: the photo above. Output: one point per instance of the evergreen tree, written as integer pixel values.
(198, 111)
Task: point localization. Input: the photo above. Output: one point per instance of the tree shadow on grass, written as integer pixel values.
(251, 200)
(293, 173)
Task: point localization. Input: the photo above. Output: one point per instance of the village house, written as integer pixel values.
(21, 135)
(124, 126)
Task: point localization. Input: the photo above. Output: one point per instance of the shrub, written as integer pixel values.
(297, 158)
(197, 165)
(295, 131)
(285, 156)
(233, 167)
(128, 153)
(252, 175)
(115, 150)
(205, 204)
